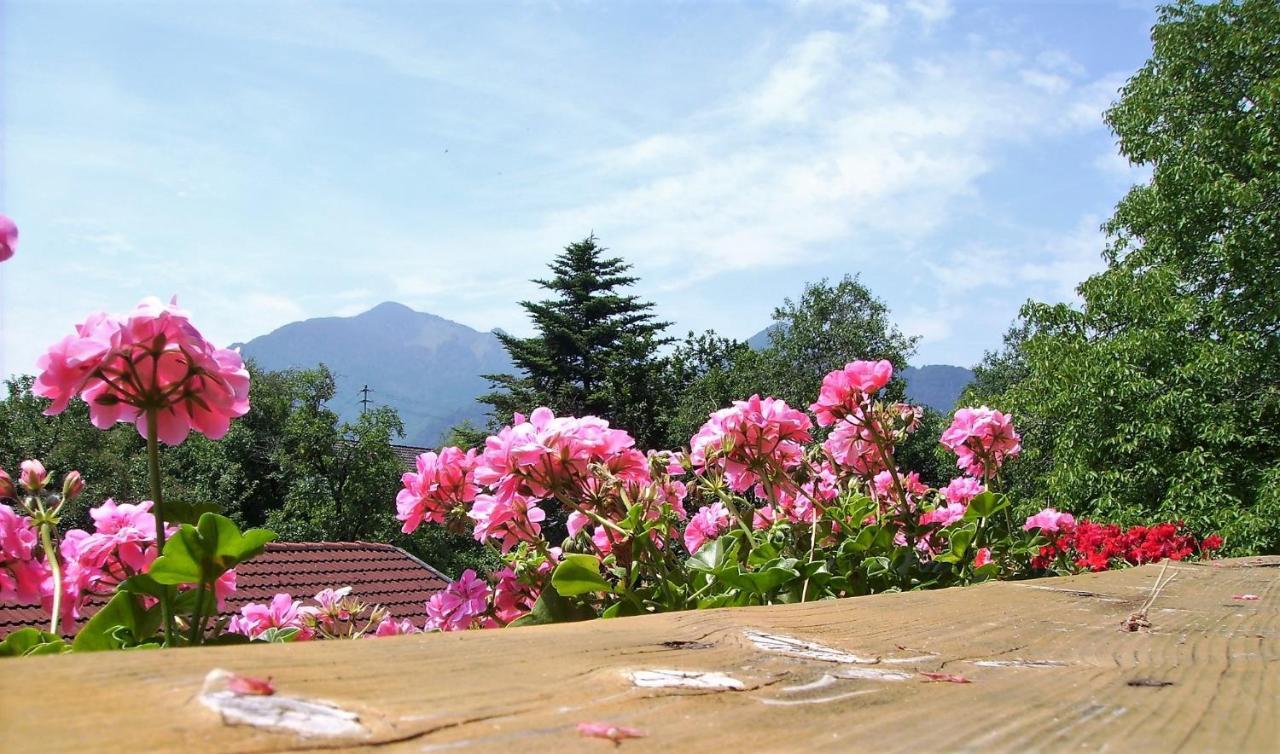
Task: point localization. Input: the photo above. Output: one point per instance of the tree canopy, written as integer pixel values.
(1160, 396)
(595, 351)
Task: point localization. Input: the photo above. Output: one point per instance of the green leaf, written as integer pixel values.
(716, 556)
(623, 609)
(278, 635)
(202, 553)
(579, 574)
(121, 623)
(551, 607)
(26, 642)
(984, 505)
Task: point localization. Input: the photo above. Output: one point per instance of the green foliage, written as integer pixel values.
(578, 574)
(1160, 398)
(829, 326)
(595, 351)
(122, 623)
(26, 642)
(200, 554)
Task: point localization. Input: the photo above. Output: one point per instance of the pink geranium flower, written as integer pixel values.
(282, 612)
(1050, 520)
(22, 576)
(391, 627)
(944, 515)
(508, 521)
(962, 489)
(152, 360)
(442, 482)
(846, 447)
(982, 440)
(460, 605)
(751, 438)
(8, 238)
(844, 391)
(708, 523)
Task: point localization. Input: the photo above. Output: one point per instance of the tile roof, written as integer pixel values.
(376, 573)
(408, 455)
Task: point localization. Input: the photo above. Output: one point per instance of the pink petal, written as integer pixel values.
(615, 733)
(945, 678)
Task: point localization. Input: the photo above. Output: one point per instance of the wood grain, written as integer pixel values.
(1049, 668)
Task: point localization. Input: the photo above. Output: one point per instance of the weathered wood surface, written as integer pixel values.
(1049, 666)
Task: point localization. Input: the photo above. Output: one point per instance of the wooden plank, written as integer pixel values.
(1050, 669)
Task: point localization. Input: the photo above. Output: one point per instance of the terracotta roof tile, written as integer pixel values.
(376, 573)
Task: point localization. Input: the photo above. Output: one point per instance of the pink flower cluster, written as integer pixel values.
(122, 544)
(534, 459)
(982, 439)
(1050, 520)
(22, 574)
(751, 441)
(847, 446)
(846, 391)
(708, 523)
(460, 605)
(282, 612)
(153, 359)
(442, 483)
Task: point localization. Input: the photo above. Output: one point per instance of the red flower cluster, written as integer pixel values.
(1096, 547)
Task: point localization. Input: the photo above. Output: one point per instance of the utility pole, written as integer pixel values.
(364, 401)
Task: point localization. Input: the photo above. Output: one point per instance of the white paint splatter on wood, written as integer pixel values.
(793, 647)
(685, 679)
(276, 712)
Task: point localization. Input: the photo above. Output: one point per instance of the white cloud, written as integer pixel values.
(839, 142)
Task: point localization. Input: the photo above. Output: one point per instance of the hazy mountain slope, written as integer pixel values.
(426, 367)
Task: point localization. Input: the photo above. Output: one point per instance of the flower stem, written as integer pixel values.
(51, 557)
(157, 500)
(197, 622)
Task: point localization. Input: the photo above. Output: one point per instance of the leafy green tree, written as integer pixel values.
(595, 348)
(829, 326)
(112, 461)
(1160, 398)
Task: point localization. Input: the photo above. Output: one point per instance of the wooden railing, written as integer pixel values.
(1050, 665)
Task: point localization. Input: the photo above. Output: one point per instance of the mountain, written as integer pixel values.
(426, 367)
(937, 386)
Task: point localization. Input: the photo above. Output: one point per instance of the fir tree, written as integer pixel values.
(594, 349)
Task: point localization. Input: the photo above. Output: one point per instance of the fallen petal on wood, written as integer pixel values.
(615, 733)
(945, 678)
(685, 679)
(247, 685)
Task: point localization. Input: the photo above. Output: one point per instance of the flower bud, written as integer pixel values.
(72, 486)
(33, 476)
(7, 490)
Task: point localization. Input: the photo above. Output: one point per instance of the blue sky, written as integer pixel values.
(274, 161)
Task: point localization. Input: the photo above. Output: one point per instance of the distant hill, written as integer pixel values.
(426, 367)
(937, 386)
